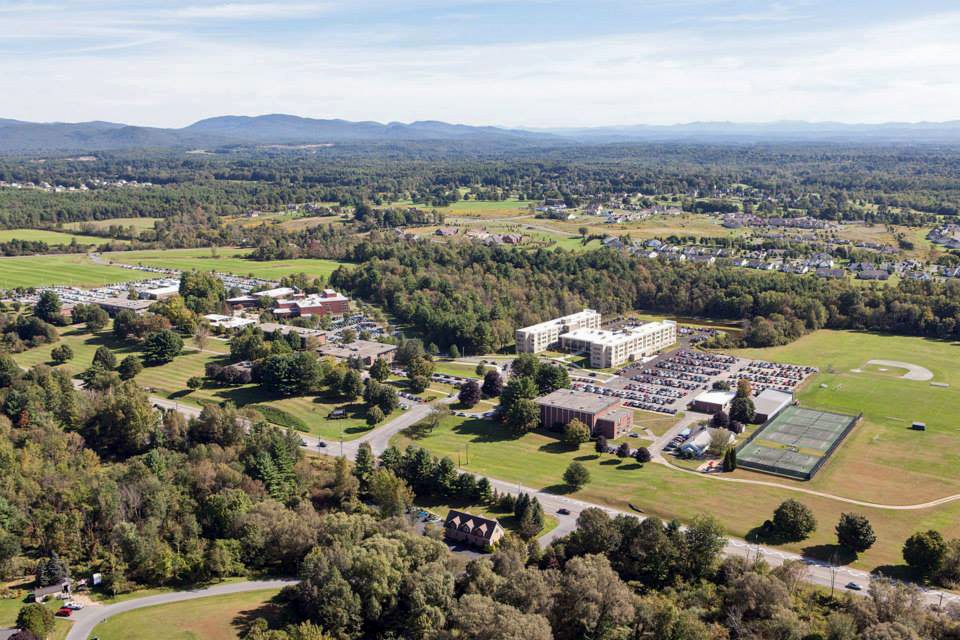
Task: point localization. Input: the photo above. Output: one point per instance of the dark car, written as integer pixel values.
(563, 511)
(321, 444)
(853, 586)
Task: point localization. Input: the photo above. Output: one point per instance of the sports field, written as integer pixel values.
(64, 269)
(212, 618)
(883, 460)
(226, 260)
(538, 460)
(794, 442)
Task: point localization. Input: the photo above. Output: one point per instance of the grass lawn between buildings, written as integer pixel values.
(538, 460)
(170, 381)
(223, 617)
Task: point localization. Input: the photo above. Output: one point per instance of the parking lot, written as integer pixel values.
(668, 383)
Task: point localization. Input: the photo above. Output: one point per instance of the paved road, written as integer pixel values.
(86, 619)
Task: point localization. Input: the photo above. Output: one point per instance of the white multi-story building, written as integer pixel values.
(540, 337)
(610, 349)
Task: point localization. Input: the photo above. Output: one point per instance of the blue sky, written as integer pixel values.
(505, 62)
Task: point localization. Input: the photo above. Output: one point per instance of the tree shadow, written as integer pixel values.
(766, 535)
(611, 462)
(895, 571)
(560, 489)
(554, 447)
(176, 395)
(630, 467)
(832, 553)
(272, 612)
(484, 431)
(587, 458)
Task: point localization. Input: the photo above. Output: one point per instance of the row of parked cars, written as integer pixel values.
(674, 445)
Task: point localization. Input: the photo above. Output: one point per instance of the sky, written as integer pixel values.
(530, 63)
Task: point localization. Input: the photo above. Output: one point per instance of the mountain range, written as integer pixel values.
(17, 136)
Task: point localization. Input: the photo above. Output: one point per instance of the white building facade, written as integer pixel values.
(610, 349)
(542, 336)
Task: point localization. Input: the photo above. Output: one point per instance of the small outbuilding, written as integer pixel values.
(769, 403)
(919, 426)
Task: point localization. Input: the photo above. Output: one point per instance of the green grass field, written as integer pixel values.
(212, 618)
(883, 460)
(488, 209)
(44, 235)
(538, 460)
(170, 381)
(139, 224)
(66, 269)
(224, 260)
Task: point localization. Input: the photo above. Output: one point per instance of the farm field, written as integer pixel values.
(538, 460)
(212, 618)
(64, 269)
(48, 236)
(139, 224)
(487, 209)
(883, 460)
(170, 381)
(226, 260)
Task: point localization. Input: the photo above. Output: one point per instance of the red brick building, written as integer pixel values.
(604, 415)
(326, 303)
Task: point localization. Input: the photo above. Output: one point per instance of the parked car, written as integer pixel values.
(853, 586)
(76, 606)
(563, 511)
(64, 612)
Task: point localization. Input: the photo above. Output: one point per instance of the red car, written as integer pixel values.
(65, 612)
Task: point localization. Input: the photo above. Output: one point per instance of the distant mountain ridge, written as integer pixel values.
(17, 136)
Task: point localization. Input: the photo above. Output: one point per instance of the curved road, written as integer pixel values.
(86, 619)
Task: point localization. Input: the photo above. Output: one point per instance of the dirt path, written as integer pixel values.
(914, 371)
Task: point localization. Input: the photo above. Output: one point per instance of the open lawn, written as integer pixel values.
(139, 224)
(212, 618)
(44, 235)
(170, 381)
(487, 209)
(883, 460)
(688, 224)
(538, 460)
(225, 260)
(64, 269)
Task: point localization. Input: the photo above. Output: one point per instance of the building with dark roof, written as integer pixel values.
(603, 415)
(476, 531)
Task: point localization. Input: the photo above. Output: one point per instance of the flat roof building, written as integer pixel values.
(712, 401)
(327, 302)
(603, 415)
(365, 350)
(610, 349)
(769, 403)
(228, 322)
(304, 332)
(161, 293)
(542, 336)
(115, 305)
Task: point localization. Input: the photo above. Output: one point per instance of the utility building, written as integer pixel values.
(603, 415)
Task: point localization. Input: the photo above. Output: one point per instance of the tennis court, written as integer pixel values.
(795, 443)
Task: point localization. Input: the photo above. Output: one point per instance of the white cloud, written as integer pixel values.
(903, 71)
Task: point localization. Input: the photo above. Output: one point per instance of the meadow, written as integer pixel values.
(45, 235)
(140, 224)
(212, 618)
(225, 260)
(883, 460)
(64, 269)
(538, 460)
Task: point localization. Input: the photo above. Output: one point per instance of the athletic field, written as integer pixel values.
(795, 443)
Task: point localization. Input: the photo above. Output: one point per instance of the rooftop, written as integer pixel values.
(357, 349)
(613, 338)
(577, 401)
(573, 317)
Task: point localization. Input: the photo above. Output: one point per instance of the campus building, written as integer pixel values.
(543, 336)
(326, 303)
(365, 351)
(610, 349)
(604, 415)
